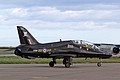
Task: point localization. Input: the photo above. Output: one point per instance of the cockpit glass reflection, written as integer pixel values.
(85, 43)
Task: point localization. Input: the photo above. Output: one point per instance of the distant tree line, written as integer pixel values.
(7, 47)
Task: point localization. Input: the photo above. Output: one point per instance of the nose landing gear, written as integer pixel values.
(99, 64)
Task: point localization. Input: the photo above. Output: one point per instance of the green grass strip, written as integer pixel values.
(19, 60)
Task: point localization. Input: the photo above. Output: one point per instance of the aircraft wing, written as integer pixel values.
(99, 44)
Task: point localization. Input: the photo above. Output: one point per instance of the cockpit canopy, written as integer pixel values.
(82, 42)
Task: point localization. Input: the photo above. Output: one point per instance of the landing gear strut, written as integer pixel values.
(67, 62)
(51, 64)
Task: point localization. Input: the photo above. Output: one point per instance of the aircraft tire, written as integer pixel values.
(67, 65)
(51, 64)
(99, 64)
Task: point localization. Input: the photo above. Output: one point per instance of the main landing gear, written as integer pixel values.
(51, 64)
(67, 61)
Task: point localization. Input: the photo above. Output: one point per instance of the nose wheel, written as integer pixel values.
(99, 64)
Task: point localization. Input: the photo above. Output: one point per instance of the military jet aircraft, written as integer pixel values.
(30, 48)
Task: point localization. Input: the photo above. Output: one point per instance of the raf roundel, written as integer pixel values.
(44, 50)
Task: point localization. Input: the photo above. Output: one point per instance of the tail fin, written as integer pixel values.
(25, 37)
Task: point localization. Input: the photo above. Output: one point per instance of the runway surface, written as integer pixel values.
(108, 71)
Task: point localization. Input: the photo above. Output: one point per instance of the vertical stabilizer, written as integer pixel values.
(25, 37)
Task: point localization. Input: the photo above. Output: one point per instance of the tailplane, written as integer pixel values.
(25, 37)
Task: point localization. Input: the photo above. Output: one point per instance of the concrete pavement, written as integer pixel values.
(108, 71)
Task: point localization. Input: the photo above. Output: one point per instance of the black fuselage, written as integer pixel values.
(60, 50)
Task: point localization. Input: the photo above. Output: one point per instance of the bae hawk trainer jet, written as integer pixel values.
(30, 48)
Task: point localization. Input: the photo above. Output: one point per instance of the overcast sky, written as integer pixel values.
(96, 21)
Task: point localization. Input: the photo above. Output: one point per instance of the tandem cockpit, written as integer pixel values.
(86, 44)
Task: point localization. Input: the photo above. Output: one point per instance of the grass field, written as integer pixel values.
(6, 51)
(19, 60)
